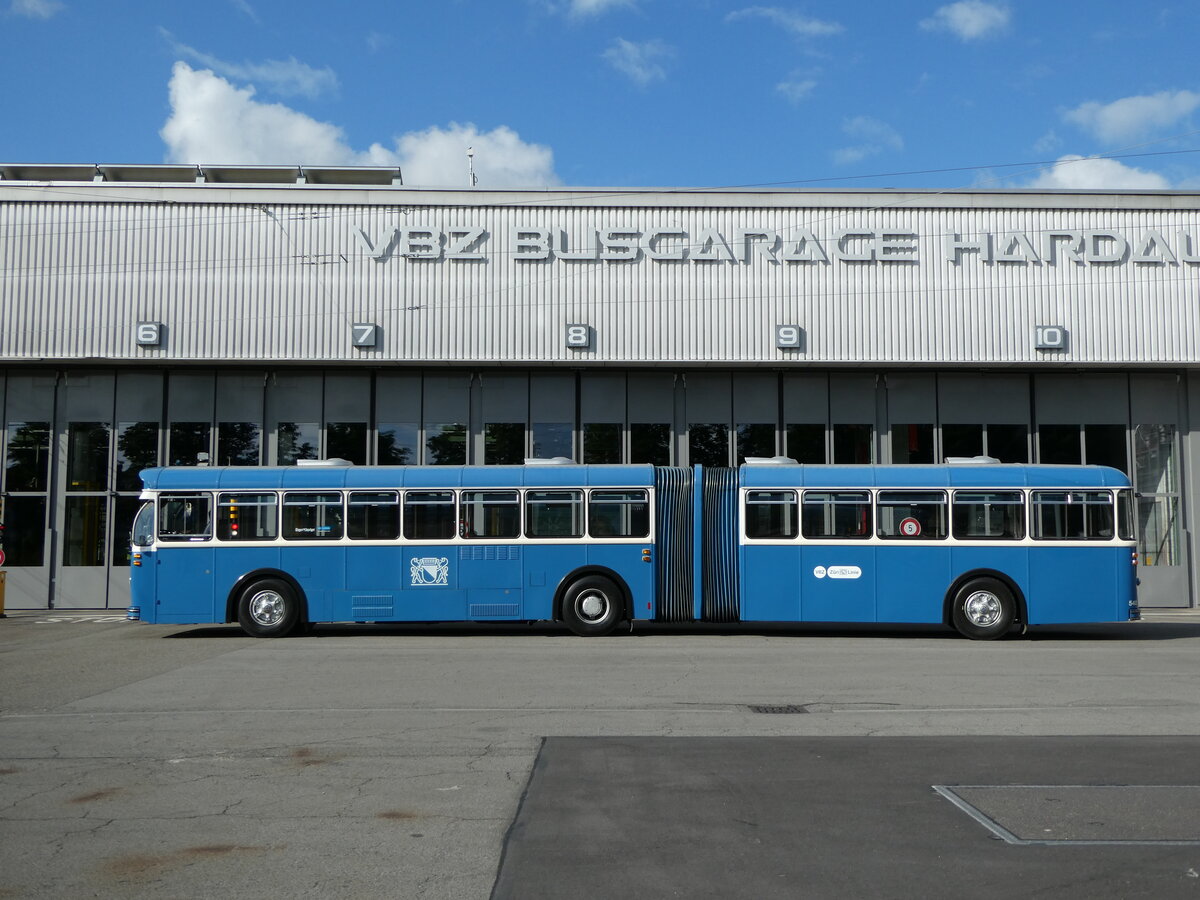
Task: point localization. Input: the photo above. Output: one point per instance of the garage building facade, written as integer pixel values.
(242, 316)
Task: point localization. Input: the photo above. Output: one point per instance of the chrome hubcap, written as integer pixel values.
(267, 608)
(592, 605)
(983, 609)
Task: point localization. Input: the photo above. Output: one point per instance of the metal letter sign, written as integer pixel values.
(789, 337)
(148, 334)
(579, 337)
(364, 334)
(1051, 337)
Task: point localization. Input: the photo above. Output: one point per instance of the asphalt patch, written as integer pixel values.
(796, 817)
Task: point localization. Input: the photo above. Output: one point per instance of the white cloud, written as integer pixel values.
(439, 156)
(796, 89)
(214, 122)
(246, 9)
(35, 9)
(643, 63)
(1133, 117)
(1090, 173)
(287, 78)
(872, 136)
(969, 19)
(595, 7)
(788, 20)
(1048, 143)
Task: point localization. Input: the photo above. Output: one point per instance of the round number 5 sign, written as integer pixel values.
(910, 527)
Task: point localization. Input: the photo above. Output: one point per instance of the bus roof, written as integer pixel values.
(207, 478)
(933, 476)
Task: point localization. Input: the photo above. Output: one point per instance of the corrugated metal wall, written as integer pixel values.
(238, 281)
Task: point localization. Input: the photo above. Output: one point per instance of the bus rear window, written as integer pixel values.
(428, 515)
(836, 514)
(554, 514)
(373, 516)
(491, 514)
(312, 517)
(772, 514)
(912, 515)
(988, 516)
(1072, 515)
(1125, 515)
(247, 517)
(185, 518)
(624, 514)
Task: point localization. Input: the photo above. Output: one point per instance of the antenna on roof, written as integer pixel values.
(471, 166)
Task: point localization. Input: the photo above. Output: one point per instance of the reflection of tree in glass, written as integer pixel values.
(292, 445)
(446, 445)
(709, 445)
(28, 456)
(87, 456)
(237, 444)
(504, 443)
(137, 449)
(347, 440)
(650, 443)
(391, 451)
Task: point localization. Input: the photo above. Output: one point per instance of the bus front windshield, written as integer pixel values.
(142, 534)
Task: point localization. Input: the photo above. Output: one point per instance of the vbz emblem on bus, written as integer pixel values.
(430, 570)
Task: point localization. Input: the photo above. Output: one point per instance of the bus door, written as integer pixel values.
(489, 565)
(183, 562)
(771, 557)
(619, 528)
(912, 558)
(554, 523)
(837, 570)
(429, 576)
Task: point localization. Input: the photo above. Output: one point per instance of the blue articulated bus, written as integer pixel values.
(981, 547)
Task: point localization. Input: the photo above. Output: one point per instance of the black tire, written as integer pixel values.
(269, 607)
(592, 606)
(983, 609)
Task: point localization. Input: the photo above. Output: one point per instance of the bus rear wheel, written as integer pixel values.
(983, 609)
(268, 608)
(592, 606)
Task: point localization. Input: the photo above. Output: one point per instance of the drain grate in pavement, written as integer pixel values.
(787, 709)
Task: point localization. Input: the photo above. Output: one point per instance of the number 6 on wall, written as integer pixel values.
(148, 334)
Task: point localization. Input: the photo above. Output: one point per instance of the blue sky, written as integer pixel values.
(694, 93)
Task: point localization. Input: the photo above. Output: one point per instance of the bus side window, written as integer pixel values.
(912, 515)
(247, 517)
(491, 514)
(185, 518)
(988, 515)
(836, 514)
(373, 516)
(428, 515)
(1073, 515)
(621, 514)
(771, 514)
(312, 517)
(554, 514)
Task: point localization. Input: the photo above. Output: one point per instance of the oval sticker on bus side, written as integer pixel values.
(837, 572)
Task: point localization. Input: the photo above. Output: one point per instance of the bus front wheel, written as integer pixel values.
(592, 606)
(983, 609)
(268, 608)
